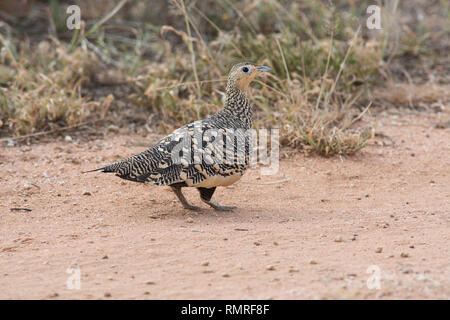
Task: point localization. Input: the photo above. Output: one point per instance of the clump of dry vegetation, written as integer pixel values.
(172, 59)
(43, 86)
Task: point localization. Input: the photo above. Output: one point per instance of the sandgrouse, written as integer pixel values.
(204, 154)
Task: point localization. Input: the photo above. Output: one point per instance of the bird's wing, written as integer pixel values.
(188, 155)
(152, 165)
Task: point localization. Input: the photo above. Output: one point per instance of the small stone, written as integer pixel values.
(406, 271)
(113, 128)
(379, 250)
(107, 295)
(205, 264)
(150, 283)
(189, 220)
(225, 275)
(275, 243)
(270, 268)
(68, 138)
(256, 243)
(11, 143)
(338, 239)
(105, 257)
(87, 193)
(404, 255)
(312, 261)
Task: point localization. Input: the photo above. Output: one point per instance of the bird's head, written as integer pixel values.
(243, 73)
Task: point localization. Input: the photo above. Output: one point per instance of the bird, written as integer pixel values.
(204, 154)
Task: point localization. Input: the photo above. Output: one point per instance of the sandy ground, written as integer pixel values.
(383, 214)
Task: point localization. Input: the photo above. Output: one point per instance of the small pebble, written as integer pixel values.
(404, 255)
(406, 271)
(11, 143)
(312, 261)
(338, 239)
(107, 295)
(189, 220)
(270, 268)
(379, 250)
(205, 264)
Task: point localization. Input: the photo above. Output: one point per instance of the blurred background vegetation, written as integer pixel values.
(155, 65)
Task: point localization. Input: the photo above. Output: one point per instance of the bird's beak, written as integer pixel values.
(264, 68)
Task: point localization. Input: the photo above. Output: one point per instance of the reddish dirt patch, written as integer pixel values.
(314, 236)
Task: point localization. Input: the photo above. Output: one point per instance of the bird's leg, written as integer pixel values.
(183, 200)
(206, 195)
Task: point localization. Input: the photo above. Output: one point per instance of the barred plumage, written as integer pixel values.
(203, 154)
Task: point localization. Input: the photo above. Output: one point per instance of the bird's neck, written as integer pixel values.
(238, 106)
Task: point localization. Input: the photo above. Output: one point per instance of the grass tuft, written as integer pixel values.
(172, 60)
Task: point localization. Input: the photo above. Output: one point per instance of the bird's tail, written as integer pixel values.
(131, 168)
(111, 168)
(99, 169)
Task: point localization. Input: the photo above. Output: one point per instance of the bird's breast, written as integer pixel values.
(219, 181)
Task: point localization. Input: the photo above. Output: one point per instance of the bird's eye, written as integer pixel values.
(245, 69)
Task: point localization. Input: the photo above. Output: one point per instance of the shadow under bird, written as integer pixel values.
(204, 154)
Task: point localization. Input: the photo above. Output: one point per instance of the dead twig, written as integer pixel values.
(42, 133)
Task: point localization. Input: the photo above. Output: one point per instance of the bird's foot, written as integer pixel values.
(184, 202)
(225, 208)
(191, 207)
(218, 207)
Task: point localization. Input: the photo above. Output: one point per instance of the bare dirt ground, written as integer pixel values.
(314, 236)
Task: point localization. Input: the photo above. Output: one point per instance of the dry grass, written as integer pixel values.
(413, 96)
(174, 64)
(43, 87)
